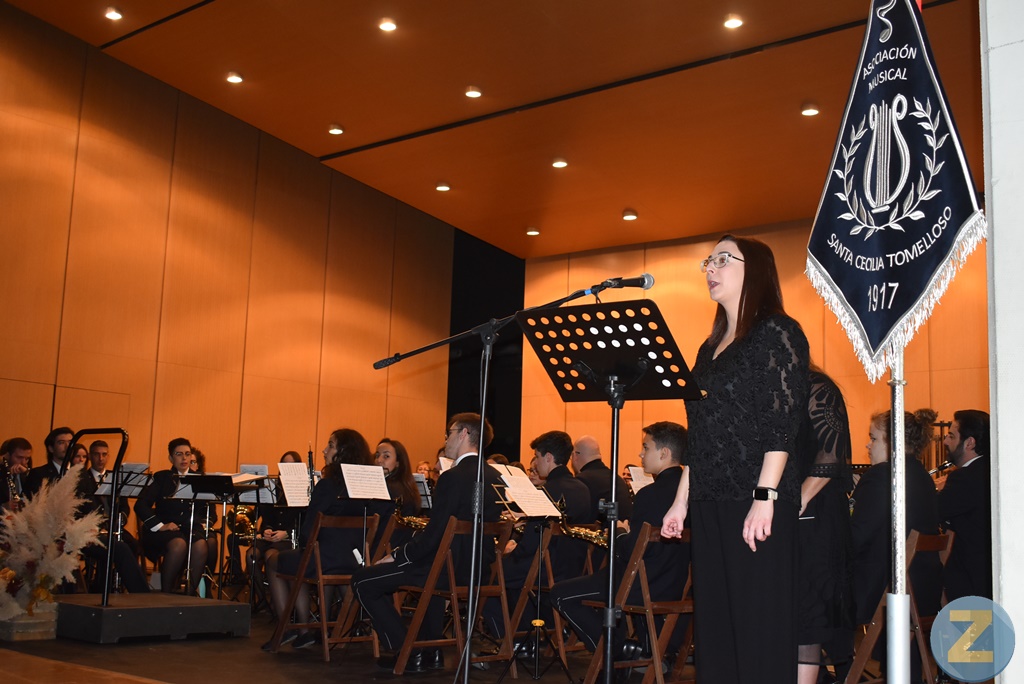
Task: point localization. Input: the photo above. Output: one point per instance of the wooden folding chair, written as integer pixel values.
(629, 576)
(311, 554)
(919, 627)
(562, 645)
(492, 585)
(648, 608)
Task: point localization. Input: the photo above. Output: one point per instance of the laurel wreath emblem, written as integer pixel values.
(920, 192)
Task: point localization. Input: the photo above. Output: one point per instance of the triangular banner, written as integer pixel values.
(899, 214)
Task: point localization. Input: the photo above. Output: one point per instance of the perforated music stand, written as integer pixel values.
(609, 352)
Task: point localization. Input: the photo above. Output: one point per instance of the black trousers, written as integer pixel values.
(125, 564)
(374, 588)
(745, 606)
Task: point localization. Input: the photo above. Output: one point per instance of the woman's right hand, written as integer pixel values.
(169, 527)
(672, 523)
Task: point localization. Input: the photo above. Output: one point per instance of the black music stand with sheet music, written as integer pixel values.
(609, 352)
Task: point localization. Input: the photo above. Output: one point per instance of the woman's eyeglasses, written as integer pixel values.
(718, 261)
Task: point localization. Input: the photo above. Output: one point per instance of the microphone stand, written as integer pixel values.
(488, 333)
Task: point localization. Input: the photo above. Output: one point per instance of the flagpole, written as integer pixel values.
(898, 602)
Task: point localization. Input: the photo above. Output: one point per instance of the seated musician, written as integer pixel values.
(124, 558)
(15, 466)
(664, 445)
(552, 451)
(393, 457)
(278, 524)
(410, 563)
(329, 497)
(165, 523)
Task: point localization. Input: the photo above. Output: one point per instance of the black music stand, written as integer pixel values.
(604, 352)
(222, 487)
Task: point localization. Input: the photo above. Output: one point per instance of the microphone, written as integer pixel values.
(645, 281)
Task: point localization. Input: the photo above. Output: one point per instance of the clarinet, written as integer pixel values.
(13, 498)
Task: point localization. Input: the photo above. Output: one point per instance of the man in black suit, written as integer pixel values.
(965, 506)
(664, 446)
(551, 451)
(125, 555)
(592, 471)
(57, 443)
(17, 453)
(410, 563)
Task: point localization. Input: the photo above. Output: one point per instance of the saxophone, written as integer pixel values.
(592, 535)
(13, 498)
(409, 521)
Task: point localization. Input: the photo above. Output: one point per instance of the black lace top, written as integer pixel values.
(825, 436)
(756, 397)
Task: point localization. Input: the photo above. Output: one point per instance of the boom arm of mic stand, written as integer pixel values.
(492, 326)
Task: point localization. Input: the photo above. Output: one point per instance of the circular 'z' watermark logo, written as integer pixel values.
(972, 639)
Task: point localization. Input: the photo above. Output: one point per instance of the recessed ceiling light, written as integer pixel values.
(335, 129)
(532, 232)
(733, 21)
(442, 187)
(809, 109)
(112, 14)
(387, 24)
(559, 163)
(234, 77)
(473, 91)
(629, 215)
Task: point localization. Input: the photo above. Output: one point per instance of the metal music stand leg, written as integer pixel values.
(538, 632)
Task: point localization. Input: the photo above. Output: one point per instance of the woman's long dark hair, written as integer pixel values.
(352, 449)
(761, 294)
(402, 475)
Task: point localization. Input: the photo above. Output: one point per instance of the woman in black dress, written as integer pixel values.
(277, 526)
(871, 523)
(330, 497)
(393, 457)
(164, 522)
(823, 584)
(741, 488)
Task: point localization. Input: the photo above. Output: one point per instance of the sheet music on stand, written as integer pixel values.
(365, 482)
(444, 463)
(507, 472)
(295, 483)
(185, 490)
(426, 496)
(638, 478)
(133, 480)
(264, 492)
(533, 502)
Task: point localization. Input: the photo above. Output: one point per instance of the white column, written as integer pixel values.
(1002, 46)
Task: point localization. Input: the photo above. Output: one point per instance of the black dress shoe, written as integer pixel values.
(433, 659)
(630, 650)
(387, 661)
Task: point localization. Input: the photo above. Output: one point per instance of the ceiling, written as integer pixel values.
(654, 104)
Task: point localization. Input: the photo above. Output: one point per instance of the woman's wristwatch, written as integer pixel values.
(765, 493)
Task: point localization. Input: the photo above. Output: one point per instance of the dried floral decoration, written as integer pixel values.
(40, 545)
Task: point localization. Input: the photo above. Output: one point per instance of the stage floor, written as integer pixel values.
(222, 660)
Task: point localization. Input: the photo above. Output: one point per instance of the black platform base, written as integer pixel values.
(80, 616)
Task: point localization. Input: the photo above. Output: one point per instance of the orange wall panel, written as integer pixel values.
(277, 416)
(209, 240)
(202, 405)
(41, 74)
(284, 324)
(25, 410)
(421, 306)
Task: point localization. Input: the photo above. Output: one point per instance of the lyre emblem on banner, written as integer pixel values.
(880, 195)
(885, 134)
